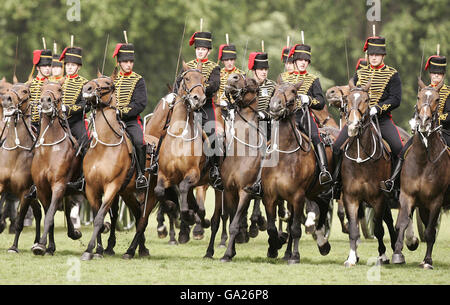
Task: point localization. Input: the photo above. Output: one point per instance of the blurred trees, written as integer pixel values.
(155, 27)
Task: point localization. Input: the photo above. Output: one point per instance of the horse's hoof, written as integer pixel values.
(197, 236)
(398, 258)
(293, 261)
(349, 264)
(287, 256)
(310, 229)
(109, 252)
(414, 245)
(38, 249)
(253, 230)
(49, 253)
(2, 226)
(325, 249)
(173, 242)
(182, 239)
(272, 253)
(75, 235)
(127, 256)
(262, 223)
(426, 266)
(13, 250)
(162, 232)
(206, 223)
(144, 253)
(222, 245)
(106, 227)
(86, 256)
(382, 260)
(225, 259)
(283, 237)
(208, 256)
(98, 256)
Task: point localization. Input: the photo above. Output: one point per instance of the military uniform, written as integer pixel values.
(72, 98)
(227, 52)
(56, 62)
(40, 58)
(131, 96)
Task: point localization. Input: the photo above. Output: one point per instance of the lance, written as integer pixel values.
(180, 49)
(104, 54)
(15, 59)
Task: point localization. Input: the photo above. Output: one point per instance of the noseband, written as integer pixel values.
(187, 98)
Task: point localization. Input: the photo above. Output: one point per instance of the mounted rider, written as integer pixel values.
(288, 62)
(385, 95)
(437, 67)
(202, 42)
(131, 96)
(227, 55)
(57, 68)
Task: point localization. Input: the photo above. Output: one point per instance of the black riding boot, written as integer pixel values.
(78, 186)
(214, 174)
(256, 188)
(388, 185)
(141, 180)
(324, 176)
(337, 183)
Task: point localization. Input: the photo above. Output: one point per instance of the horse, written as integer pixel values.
(181, 157)
(294, 178)
(242, 153)
(365, 164)
(54, 164)
(425, 178)
(16, 154)
(109, 171)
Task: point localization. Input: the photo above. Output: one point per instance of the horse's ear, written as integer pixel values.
(3, 80)
(438, 87)
(351, 84)
(113, 75)
(15, 80)
(367, 86)
(185, 66)
(421, 83)
(199, 65)
(298, 85)
(98, 73)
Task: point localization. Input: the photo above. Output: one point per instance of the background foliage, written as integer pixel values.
(155, 27)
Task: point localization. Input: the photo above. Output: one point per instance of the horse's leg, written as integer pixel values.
(235, 225)
(36, 207)
(298, 204)
(73, 233)
(185, 186)
(388, 219)
(172, 239)
(23, 208)
(288, 252)
(3, 212)
(215, 222)
(322, 242)
(403, 219)
(138, 213)
(412, 242)
(199, 209)
(160, 227)
(434, 207)
(104, 204)
(379, 206)
(275, 243)
(256, 212)
(114, 214)
(351, 206)
(341, 216)
(311, 213)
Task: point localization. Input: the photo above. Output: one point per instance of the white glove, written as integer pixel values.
(170, 99)
(304, 98)
(63, 108)
(373, 111)
(261, 114)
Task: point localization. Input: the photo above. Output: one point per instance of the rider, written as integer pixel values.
(42, 62)
(202, 42)
(228, 55)
(310, 94)
(436, 66)
(57, 68)
(288, 64)
(385, 95)
(258, 62)
(131, 96)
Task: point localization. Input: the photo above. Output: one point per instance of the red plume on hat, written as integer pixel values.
(116, 50)
(251, 59)
(428, 61)
(282, 52)
(220, 50)
(366, 45)
(36, 56)
(63, 54)
(192, 40)
(293, 50)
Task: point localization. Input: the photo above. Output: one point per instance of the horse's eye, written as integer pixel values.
(187, 79)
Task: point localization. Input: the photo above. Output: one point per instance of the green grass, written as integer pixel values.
(184, 264)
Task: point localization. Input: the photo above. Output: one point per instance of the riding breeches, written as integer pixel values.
(78, 130)
(388, 130)
(306, 124)
(136, 131)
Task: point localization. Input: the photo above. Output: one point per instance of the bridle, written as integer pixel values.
(187, 98)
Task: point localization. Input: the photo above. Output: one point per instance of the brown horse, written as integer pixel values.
(181, 155)
(16, 154)
(54, 164)
(365, 164)
(109, 171)
(425, 176)
(244, 153)
(294, 176)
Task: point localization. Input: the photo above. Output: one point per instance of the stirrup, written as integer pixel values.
(32, 193)
(327, 175)
(77, 185)
(255, 189)
(141, 182)
(153, 169)
(387, 186)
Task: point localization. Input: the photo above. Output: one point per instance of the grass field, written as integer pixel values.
(184, 264)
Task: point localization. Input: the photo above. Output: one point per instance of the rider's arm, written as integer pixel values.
(444, 117)
(394, 95)
(213, 83)
(316, 94)
(138, 102)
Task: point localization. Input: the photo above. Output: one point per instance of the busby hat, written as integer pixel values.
(227, 51)
(124, 52)
(42, 57)
(201, 39)
(300, 51)
(258, 60)
(375, 45)
(436, 64)
(362, 62)
(72, 54)
(56, 62)
(285, 55)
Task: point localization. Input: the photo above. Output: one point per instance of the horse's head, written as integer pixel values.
(16, 98)
(426, 106)
(100, 91)
(4, 85)
(192, 87)
(243, 90)
(357, 107)
(284, 100)
(51, 98)
(337, 96)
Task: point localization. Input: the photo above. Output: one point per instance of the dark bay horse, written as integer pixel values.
(16, 154)
(364, 165)
(425, 176)
(294, 176)
(109, 171)
(244, 141)
(54, 164)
